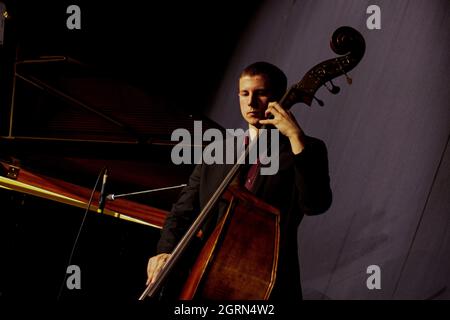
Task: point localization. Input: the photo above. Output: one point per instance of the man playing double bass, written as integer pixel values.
(301, 185)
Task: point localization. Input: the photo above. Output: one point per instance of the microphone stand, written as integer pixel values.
(113, 196)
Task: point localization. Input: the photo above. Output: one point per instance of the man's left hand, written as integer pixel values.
(285, 122)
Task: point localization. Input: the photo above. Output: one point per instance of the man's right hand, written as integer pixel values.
(154, 266)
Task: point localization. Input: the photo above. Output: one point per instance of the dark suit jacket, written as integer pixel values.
(301, 186)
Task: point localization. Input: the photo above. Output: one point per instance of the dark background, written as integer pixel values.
(178, 47)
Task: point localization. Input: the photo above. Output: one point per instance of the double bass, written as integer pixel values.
(245, 243)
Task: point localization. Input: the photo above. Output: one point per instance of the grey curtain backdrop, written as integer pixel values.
(387, 136)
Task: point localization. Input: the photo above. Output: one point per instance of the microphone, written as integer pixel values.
(102, 200)
(113, 196)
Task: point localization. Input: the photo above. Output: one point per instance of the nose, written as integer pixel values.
(252, 101)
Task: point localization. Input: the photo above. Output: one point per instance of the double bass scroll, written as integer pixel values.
(345, 41)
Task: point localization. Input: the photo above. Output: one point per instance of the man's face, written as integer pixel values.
(253, 98)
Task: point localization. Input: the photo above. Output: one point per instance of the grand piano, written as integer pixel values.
(64, 123)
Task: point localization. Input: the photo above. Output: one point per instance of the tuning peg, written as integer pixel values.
(349, 80)
(320, 102)
(334, 89)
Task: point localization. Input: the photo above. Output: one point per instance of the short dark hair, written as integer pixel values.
(276, 78)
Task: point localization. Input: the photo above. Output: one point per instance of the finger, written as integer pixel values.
(150, 270)
(161, 262)
(268, 121)
(152, 275)
(157, 271)
(280, 109)
(273, 111)
(153, 264)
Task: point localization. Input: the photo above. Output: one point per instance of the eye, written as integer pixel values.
(262, 93)
(243, 93)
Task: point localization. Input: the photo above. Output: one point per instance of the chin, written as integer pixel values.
(256, 124)
(253, 122)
